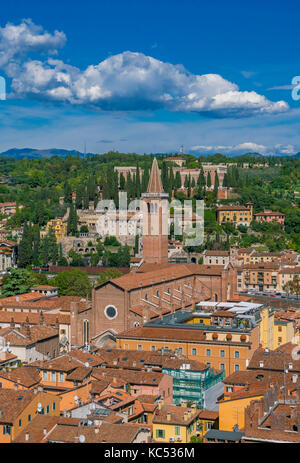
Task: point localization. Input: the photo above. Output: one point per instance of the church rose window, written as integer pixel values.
(110, 311)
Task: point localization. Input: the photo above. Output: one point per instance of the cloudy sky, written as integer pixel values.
(150, 76)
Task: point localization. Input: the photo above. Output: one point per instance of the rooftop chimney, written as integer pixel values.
(27, 436)
(45, 431)
(186, 416)
(168, 416)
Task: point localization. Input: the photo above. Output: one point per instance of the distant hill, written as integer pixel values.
(31, 153)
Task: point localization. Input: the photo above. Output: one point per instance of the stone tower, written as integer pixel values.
(155, 219)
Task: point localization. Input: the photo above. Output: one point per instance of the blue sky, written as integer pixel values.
(148, 76)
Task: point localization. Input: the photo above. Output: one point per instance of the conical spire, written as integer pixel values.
(155, 183)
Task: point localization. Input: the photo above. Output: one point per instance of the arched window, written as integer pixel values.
(86, 331)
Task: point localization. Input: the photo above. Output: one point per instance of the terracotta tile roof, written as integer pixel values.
(9, 242)
(85, 357)
(135, 359)
(25, 376)
(6, 357)
(12, 403)
(269, 213)
(61, 363)
(97, 387)
(217, 253)
(39, 332)
(107, 432)
(176, 415)
(223, 313)
(32, 296)
(253, 390)
(146, 398)
(131, 376)
(35, 429)
(290, 270)
(121, 433)
(27, 336)
(176, 364)
(136, 280)
(178, 334)
(34, 318)
(79, 374)
(233, 208)
(275, 360)
(150, 274)
(208, 415)
(274, 427)
(44, 287)
(62, 303)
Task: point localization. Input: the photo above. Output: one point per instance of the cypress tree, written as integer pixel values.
(216, 185)
(44, 252)
(52, 247)
(85, 198)
(36, 245)
(208, 182)
(177, 180)
(122, 181)
(136, 245)
(25, 247)
(72, 221)
(164, 176)
(67, 193)
(79, 196)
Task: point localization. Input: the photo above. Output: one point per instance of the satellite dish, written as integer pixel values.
(39, 406)
(81, 438)
(75, 398)
(87, 364)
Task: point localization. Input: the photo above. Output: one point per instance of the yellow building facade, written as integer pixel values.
(47, 404)
(238, 215)
(59, 227)
(274, 332)
(173, 423)
(232, 410)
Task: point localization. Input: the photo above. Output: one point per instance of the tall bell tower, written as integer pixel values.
(155, 219)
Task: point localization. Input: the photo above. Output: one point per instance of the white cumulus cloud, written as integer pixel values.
(127, 81)
(247, 147)
(16, 41)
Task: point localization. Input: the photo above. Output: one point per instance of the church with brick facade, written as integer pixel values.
(154, 289)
